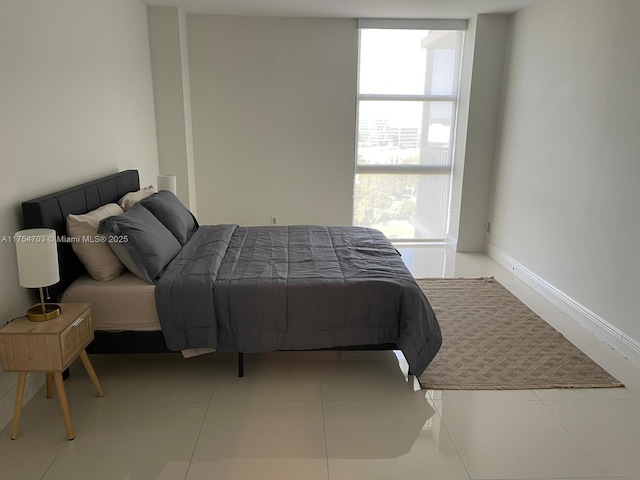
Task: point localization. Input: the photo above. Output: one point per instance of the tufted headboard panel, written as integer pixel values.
(50, 211)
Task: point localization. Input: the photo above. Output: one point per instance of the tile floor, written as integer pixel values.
(330, 415)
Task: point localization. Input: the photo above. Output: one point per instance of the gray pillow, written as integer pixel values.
(166, 207)
(140, 241)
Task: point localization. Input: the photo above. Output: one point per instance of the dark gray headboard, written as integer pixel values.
(50, 211)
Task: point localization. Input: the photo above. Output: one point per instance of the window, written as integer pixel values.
(407, 103)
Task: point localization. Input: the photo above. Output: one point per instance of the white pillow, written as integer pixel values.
(96, 255)
(131, 198)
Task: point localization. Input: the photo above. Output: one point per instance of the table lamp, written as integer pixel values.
(37, 253)
(167, 182)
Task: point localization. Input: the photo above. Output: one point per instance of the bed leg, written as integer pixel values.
(240, 364)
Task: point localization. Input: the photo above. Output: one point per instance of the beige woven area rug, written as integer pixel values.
(492, 341)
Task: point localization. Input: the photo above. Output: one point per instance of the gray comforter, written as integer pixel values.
(261, 289)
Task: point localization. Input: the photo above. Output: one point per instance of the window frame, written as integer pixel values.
(453, 100)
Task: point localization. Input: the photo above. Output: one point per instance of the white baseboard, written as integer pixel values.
(603, 330)
(32, 385)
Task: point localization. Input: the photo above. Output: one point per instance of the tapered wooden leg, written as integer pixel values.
(17, 410)
(91, 372)
(49, 377)
(64, 405)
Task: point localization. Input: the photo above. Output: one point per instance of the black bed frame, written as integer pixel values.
(50, 211)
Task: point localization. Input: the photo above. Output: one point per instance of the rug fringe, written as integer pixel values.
(520, 387)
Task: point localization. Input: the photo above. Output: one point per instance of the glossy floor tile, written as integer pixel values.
(267, 440)
(330, 415)
(42, 437)
(385, 439)
(607, 429)
(377, 380)
(267, 380)
(145, 442)
(513, 439)
(160, 378)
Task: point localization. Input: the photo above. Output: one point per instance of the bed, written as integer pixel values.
(240, 289)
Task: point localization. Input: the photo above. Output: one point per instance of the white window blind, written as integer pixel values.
(408, 77)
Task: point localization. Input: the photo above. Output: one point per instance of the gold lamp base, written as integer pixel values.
(43, 312)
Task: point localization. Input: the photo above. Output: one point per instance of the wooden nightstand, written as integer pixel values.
(49, 347)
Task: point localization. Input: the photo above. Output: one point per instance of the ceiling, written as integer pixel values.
(347, 8)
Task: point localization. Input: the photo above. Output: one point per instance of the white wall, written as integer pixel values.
(76, 103)
(172, 98)
(566, 194)
(478, 118)
(273, 104)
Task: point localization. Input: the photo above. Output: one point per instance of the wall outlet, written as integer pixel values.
(274, 220)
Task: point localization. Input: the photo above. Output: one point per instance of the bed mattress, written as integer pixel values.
(125, 303)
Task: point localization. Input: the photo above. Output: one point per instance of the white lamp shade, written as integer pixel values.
(37, 257)
(167, 182)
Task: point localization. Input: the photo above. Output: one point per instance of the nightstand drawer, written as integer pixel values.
(48, 346)
(76, 336)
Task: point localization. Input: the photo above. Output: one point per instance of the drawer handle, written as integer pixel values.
(77, 322)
